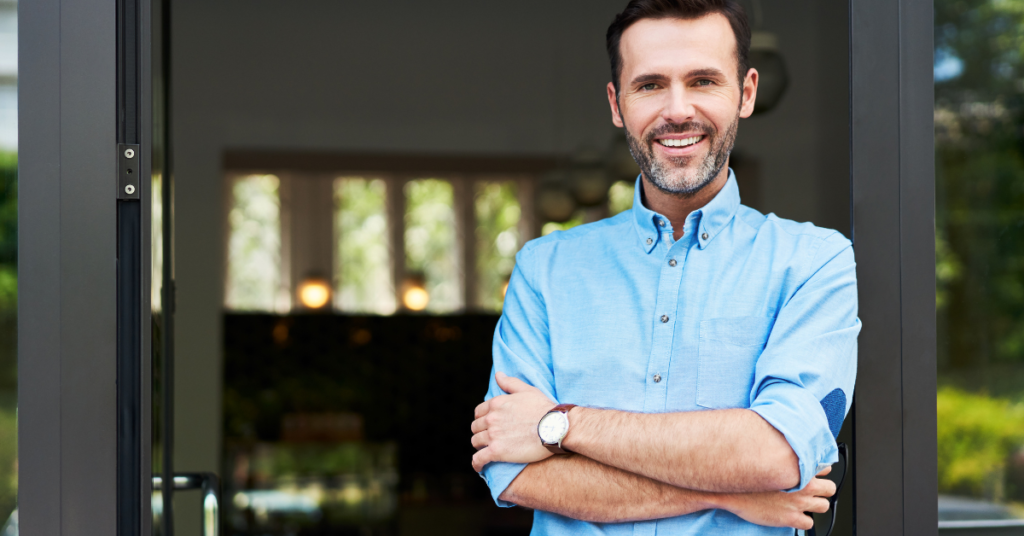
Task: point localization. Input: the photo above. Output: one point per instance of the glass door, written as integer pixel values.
(979, 242)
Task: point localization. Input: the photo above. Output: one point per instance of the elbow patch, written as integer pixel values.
(834, 405)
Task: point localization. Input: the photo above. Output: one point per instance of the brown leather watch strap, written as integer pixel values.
(561, 408)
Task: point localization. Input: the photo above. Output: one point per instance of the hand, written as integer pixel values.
(781, 509)
(505, 429)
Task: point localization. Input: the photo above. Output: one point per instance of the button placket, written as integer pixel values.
(665, 310)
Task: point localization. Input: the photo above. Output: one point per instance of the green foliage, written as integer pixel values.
(497, 240)
(986, 35)
(976, 435)
(947, 270)
(363, 259)
(575, 221)
(980, 183)
(8, 461)
(620, 197)
(254, 247)
(276, 460)
(430, 240)
(8, 333)
(8, 231)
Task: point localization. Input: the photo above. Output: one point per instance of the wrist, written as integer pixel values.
(576, 417)
(722, 501)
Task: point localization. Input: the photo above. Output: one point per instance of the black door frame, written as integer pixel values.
(893, 182)
(68, 329)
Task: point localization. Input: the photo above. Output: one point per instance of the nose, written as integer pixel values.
(679, 107)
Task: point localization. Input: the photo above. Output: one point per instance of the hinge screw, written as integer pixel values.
(129, 153)
(130, 189)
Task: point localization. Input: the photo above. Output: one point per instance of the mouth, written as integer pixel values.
(678, 143)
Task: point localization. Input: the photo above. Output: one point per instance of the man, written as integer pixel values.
(710, 351)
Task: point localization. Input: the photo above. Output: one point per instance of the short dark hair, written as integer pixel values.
(638, 10)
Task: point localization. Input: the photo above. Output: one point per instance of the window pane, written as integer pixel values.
(363, 262)
(979, 258)
(620, 196)
(497, 240)
(430, 242)
(254, 246)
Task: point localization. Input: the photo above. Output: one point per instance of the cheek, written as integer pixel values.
(640, 115)
(718, 109)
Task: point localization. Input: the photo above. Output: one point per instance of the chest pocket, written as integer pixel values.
(728, 352)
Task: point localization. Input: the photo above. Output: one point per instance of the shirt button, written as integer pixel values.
(664, 319)
(672, 263)
(661, 223)
(649, 241)
(704, 236)
(657, 378)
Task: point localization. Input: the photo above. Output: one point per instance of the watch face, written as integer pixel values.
(553, 427)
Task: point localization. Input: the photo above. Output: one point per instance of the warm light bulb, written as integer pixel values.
(314, 294)
(416, 298)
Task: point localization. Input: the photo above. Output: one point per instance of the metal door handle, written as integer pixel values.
(210, 484)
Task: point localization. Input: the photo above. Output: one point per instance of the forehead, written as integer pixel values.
(669, 45)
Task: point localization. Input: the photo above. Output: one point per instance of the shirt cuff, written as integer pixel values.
(499, 475)
(794, 412)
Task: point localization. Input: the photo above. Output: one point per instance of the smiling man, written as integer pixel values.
(683, 367)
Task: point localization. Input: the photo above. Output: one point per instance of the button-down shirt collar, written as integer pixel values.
(704, 222)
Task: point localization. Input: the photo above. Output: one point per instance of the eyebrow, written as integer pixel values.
(645, 78)
(696, 73)
(704, 72)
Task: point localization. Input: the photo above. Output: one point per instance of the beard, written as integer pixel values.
(672, 175)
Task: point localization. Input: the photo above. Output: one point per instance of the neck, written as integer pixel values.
(677, 207)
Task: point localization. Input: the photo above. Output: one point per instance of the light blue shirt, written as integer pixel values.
(743, 311)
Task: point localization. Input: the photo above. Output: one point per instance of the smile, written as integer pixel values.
(685, 142)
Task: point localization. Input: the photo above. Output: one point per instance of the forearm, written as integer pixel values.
(583, 489)
(731, 450)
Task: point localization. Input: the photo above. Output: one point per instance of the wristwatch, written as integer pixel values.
(554, 426)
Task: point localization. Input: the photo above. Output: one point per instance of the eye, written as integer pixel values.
(704, 82)
(648, 87)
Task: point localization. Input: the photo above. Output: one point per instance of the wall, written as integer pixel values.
(453, 77)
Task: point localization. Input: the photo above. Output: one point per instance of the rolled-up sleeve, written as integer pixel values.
(521, 349)
(804, 378)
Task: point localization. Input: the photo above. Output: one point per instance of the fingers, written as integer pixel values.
(481, 440)
(825, 472)
(803, 522)
(479, 425)
(482, 409)
(818, 505)
(481, 458)
(511, 385)
(821, 487)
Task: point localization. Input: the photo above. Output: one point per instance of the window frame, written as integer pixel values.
(396, 170)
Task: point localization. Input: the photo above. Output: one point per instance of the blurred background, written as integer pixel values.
(352, 182)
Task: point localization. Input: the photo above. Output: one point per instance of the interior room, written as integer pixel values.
(351, 182)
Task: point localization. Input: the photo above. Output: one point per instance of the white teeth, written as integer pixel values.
(680, 143)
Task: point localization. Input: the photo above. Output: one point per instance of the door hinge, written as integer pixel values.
(128, 171)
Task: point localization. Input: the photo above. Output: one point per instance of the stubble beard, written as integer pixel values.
(671, 175)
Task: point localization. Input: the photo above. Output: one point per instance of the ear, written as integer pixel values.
(613, 101)
(749, 94)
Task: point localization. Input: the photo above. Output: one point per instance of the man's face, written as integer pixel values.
(680, 99)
